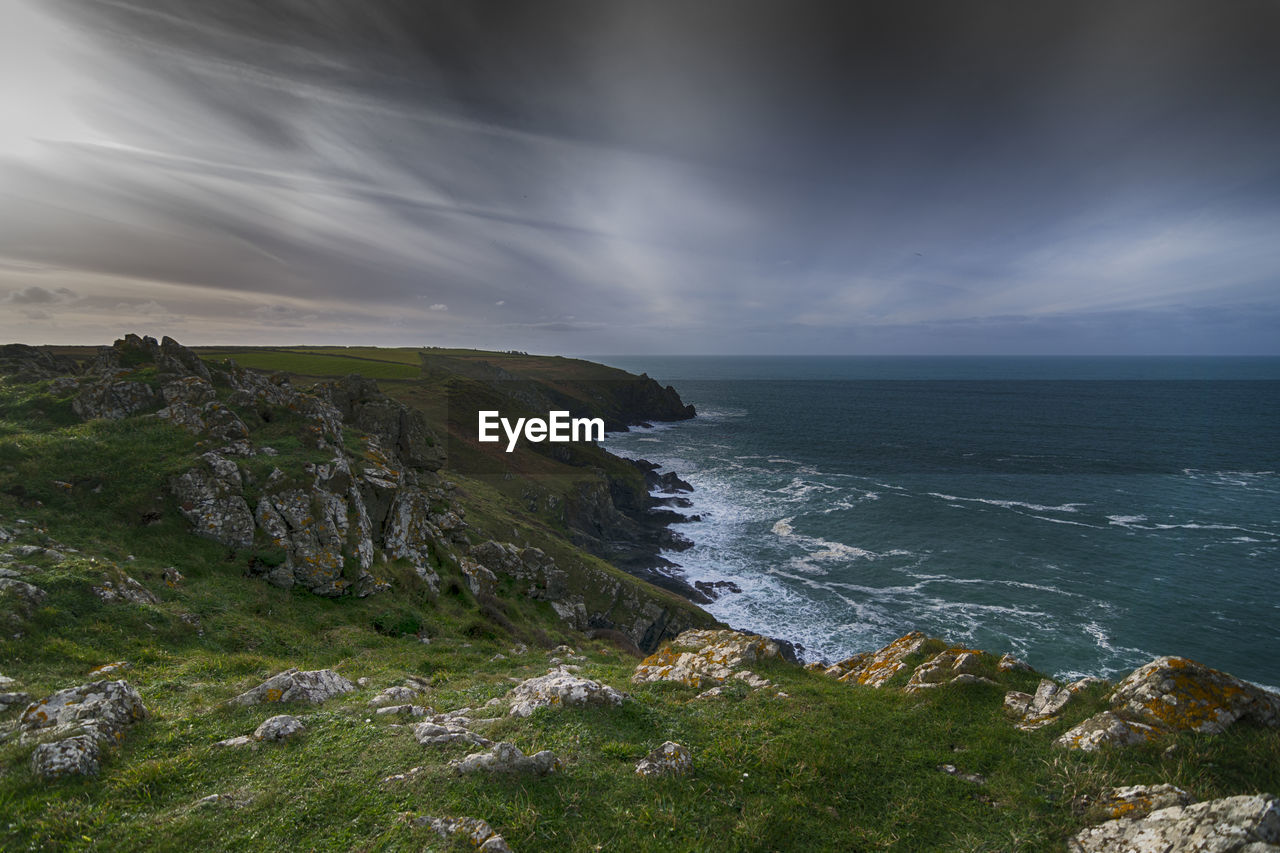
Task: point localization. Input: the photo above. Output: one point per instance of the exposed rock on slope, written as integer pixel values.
(1245, 824)
(704, 658)
(506, 758)
(87, 719)
(293, 686)
(874, 669)
(1173, 694)
(670, 759)
(560, 689)
(1180, 694)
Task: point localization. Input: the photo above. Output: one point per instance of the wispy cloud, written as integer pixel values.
(727, 178)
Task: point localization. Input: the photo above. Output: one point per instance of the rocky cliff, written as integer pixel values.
(330, 487)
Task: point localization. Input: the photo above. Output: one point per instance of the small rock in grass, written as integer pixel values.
(669, 759)
(278, 728)
(507, 758)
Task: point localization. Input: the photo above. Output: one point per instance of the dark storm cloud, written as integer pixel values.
(709, 176)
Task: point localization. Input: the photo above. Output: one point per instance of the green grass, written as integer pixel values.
(338, 361)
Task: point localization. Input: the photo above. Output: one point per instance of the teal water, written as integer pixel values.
(1085, 514)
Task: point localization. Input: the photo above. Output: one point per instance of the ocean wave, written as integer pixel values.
(1071, 507)
(1132, 521)
(1065, 521)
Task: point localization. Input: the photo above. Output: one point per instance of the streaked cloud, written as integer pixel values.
(609, 177)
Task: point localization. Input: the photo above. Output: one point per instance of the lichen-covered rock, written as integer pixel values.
(313, 686)
(1106, 729)
(23, 363)
(409, 532)
(472, 829)
(444, 730)
(560, 689)
(114, 399)
(1086, 682)
(108, 707)
(278, 728)
(1134, 801)
(874, 669)
(191, 403)
(1179, 694)
(669, 759)
(480, 580)
(29, 596)
(108, 668)
(1039, 710)
(1244, 824)
(546, 582)
(946, 667)
(73, 756)
(394, 695)
(125, 589)
(755, 682)
(90, 717)
(211, 497)
(1009, 663)
(507, 758)
(704, 658)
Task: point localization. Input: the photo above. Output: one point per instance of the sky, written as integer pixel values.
(609, 177)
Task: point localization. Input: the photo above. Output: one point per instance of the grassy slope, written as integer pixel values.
(832, 767)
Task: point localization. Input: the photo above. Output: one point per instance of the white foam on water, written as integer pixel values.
(1071, 507)
(1064, 521)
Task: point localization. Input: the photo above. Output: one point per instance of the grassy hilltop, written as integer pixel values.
(790, 758)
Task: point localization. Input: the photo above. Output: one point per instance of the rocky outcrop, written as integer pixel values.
(1135, 801)
(22, 363)
(704, 658)
(1106, 730)
(85, 720)
(211, 497)
(27, 596)
(114, 399)
(1173, 694)
(313, 686)
(124, 589)
(670, 759)
(507, 758)
(1243, 824)
(951, 666)
(560, 688)
(1039, 710)
(191, 403)
(1179, 695)
(401, 430)
(874, 669)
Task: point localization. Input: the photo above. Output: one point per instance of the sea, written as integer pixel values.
(1085, 514)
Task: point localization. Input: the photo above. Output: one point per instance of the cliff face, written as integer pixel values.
(337, 488)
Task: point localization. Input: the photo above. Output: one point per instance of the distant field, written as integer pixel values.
(325, 361)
